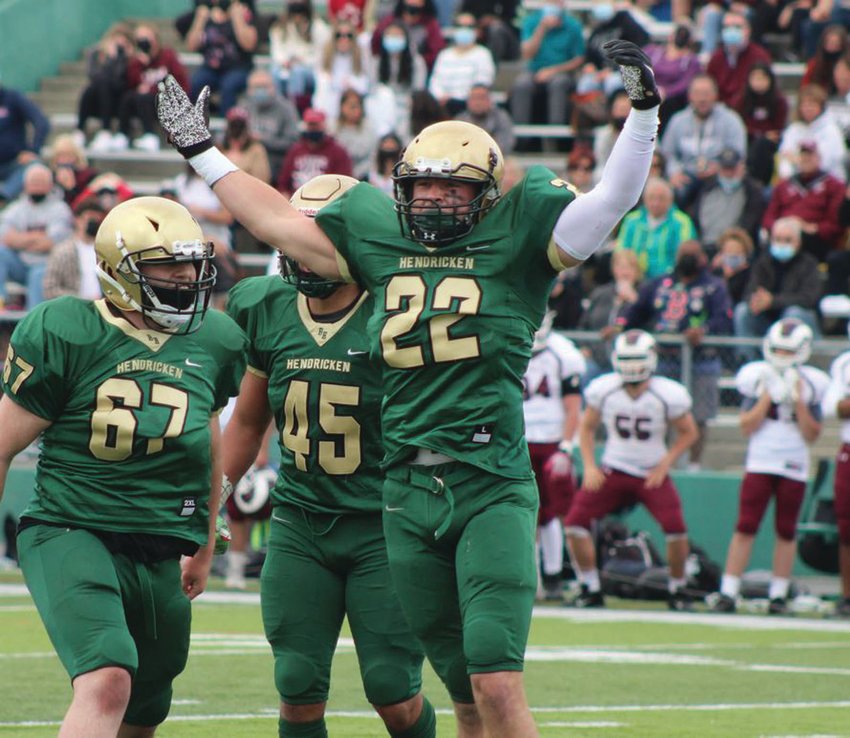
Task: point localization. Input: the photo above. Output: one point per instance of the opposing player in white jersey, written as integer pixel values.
(780, 414)
(552, 406)
(836, 403)
(636, 409)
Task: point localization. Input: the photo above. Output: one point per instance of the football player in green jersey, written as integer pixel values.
(124, 392)
(310, 370)
(460, 276)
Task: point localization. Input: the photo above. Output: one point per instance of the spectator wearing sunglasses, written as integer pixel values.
(343, 66)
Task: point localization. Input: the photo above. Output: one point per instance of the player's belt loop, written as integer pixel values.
(441, 489)
(146, 588)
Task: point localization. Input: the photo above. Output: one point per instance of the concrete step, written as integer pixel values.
(64, 83)
(139, 164)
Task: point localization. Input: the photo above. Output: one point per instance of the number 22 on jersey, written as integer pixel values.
(405, 300)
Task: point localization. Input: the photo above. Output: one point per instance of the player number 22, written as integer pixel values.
(405, 300)
(113, 423)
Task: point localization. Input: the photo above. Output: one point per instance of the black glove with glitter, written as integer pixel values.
(636, 70)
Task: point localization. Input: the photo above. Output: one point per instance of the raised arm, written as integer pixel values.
(585, 223)
(261, 209)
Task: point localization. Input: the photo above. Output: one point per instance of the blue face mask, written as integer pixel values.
(732, 36)
(782, 251)
(734, 261)
(728, 184)
(394, 44)
(551, 10)
(603, 12)
(464, 36)
(261, 94)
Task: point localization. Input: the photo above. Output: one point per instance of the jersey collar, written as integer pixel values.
(153, 340)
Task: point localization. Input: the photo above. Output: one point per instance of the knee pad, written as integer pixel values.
(388, 684)
(298, 681)
(486, 642)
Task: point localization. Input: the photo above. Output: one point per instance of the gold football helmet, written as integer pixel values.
(453, 150)
(154, 230)
(309, 199)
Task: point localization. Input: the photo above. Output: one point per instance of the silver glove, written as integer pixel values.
(187, 125)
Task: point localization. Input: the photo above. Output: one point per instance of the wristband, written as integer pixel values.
(211, 165)
(566, 447)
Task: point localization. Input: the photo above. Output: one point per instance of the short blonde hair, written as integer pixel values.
(737, 234)
(65, 144)
(627, 257)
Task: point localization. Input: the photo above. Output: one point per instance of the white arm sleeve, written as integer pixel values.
(586, 222)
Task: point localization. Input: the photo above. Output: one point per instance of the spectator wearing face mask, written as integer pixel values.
(730, 198)
(29, 229)
(675, 64)
(732, 261)
(71, 265)
(814, 197)
(419, 17)
(784, 283)
(388, 153)
(274, 118)
(833, 44)
(553, 49)
(223, 32)
(71, 170)
(481, 110)
(732, 60)
(495, 23)
(148, 66)
(460, 66)
(400, 69)
(764, 109)
(693, 303)
(23, 131)
(315, 153)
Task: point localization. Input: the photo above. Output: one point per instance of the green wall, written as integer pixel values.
(710, 501)
(39, 34)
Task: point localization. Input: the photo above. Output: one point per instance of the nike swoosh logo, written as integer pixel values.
(393, 509)
(192, 363)
(351, 352)
(281, 520)
(478, 248)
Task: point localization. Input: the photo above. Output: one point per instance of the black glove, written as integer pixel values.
(636, 70)
(187, 125)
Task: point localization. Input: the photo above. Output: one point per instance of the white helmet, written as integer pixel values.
(635, 356)
(793, 338)
(542, 333)
(253, 490)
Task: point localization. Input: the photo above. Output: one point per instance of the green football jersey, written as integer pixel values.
(454, 325)
(128, 449)
(325, 394)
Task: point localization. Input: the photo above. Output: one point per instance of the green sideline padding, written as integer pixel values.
(710, 501)
(39, 34)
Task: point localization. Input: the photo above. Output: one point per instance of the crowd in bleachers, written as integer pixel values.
(341, 85)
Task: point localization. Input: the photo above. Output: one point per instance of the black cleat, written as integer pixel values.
(723, 603)
(842, 609)
(586, 598)
(777, 606)
(553, 588)
(680, 601)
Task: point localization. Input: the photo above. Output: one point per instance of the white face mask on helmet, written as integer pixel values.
(635, 356)
(788, 343)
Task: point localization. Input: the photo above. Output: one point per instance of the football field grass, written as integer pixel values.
(618, 672)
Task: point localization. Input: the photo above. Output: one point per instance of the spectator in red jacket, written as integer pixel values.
(314, 153)
(812, 195)
(731, 61)
(150, 64)
(423, 28)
